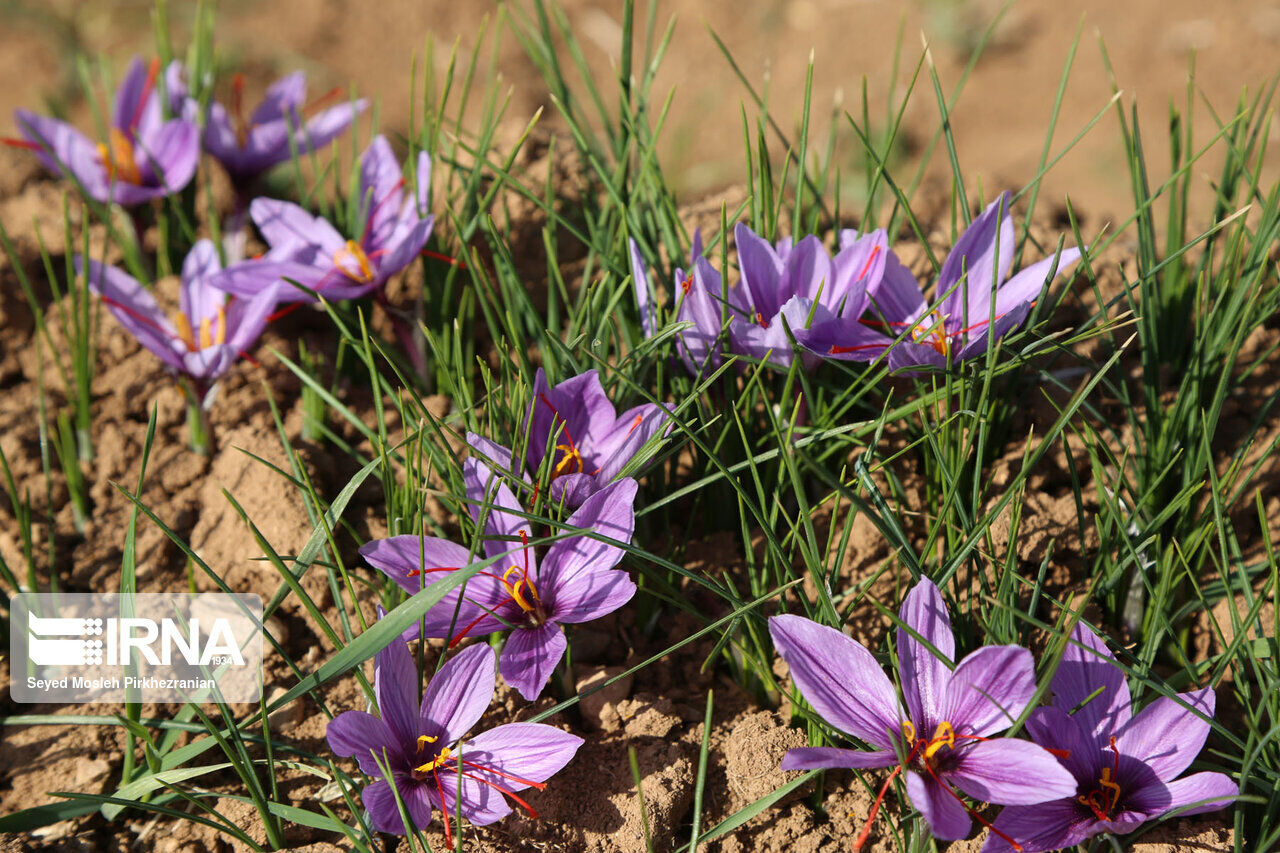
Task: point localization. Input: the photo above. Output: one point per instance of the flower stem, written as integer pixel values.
(201, 431)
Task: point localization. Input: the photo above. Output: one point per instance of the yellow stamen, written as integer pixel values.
(117, 158)
(909, 732)
(944, 735)
(353, 250)
(433, 763)
(934, 334)
(206, 333)
(1107, 782)
(570, 462)
(515, 589)
(184, 331)
(423, 740)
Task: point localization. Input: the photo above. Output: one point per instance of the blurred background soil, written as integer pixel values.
(999, 121)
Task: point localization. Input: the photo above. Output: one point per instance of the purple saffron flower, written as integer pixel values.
(590, 443)
(143, 157)
(802, 284)
(308, 250)
(955, 327)
(575, 582)
(1126, 765)
(277, 127)
(421, 743)
(699, 294)
(209, 331)
(945, 735)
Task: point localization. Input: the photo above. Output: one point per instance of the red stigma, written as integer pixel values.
(875, 252)
(22, 143)
(686, 284)
(153, 71)
(316, 103)
(427, 253)
(761, 321)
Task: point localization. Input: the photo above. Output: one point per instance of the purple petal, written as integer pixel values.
(839, 678)
(397, 556)
(896, 299)
(136, 309)
(403, 248)
(589, 595)
(132, 113)
(286, 224)
(909, 357)
(381, 190)
(974, 259)
(807, 273)
(1167, 734)
(576, 412)
(1194, 794)
(395, 683)
(1088, 668)
(523, 752)
(63, 149)
(627, 436)
(1053, 728)
(609, 513)
(496, 454)
(246, 318)
(1012, 772)
(170, 155)
(355, 734)
(481, 804)
(981, 338)
(1025, 287)
(925, 676)
(989, 690)
(197, 299)
(846, 339)
(859, 265)
(572, 490)
(644, 293)
(253, 278)
(940, 808)
(487, 495)
(761, 270)
(1057, 825)
(282, 98)
(530, 656)
(421, 178)
(833, 758)
(380, 802)
(459, 694)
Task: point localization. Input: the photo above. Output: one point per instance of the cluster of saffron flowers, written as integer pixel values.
(146, 156)
(227, 300)
(862, 304)
(1091, 765)
(422, 764)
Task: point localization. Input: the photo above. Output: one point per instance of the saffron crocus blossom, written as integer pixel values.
(308, 250)
(1126, 765)
(589, 442)
(280, 125)
(143, 156)
(944, 735)
(798, 286)
(699, 295)
(958, 325)
(208, 332)
(575, 581)
(421, 743)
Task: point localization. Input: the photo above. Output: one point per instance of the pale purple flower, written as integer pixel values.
(308, 250)
(957, 326)
(590, 443)
(280, 125)
(576, 580)
(698, 298)
(143, 156)
(431, 766)
(209, 331)
(1126, 765)
(801, 284)
(944, 736)
(785, 285)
